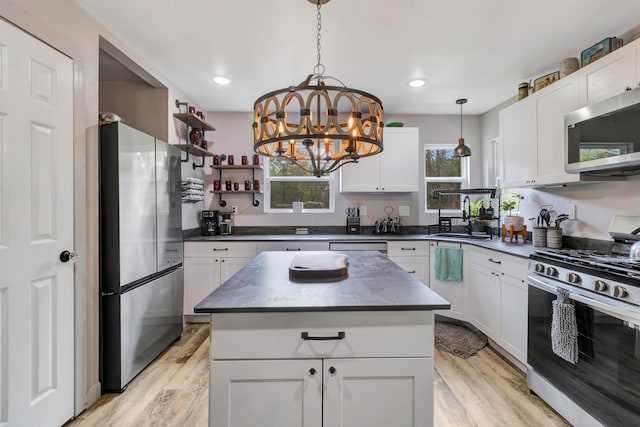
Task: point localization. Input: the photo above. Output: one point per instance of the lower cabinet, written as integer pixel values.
(412, 256)
(498, 299)
(322, 392)
(454, 292)
(329, 369)
(209, 264)
(484, 297)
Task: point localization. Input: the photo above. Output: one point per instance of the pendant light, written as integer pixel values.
(461, 150)
(317, 126)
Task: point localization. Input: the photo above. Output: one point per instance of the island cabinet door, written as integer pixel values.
(394, 392)
(283, 393)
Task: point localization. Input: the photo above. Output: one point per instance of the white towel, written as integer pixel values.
(564, 328)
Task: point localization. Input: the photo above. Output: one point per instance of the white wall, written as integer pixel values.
(65, 26)
(234, 135)
(596, 203)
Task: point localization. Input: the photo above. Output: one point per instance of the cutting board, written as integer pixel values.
(320, 266)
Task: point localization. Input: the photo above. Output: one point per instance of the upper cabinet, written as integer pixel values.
(532, 130)
(396, 169)
(532, 133)
(610, 75)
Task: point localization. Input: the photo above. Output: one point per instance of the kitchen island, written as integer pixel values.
(357, 351)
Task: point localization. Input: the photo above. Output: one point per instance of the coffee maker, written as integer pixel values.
(225, 222)
(209, 223)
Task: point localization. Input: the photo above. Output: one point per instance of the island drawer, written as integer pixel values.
(329, 334)
(407, 248)
(292, 246)
(220, 249)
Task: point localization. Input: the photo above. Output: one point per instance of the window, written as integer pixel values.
(286, 183)
(443, 171)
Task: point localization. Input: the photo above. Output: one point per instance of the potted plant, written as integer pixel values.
(511, 204)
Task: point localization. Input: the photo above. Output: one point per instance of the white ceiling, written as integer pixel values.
(478, 50)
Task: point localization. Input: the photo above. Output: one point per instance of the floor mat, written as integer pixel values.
(458, 340)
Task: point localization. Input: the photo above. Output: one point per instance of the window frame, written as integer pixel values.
(268, 179)
(463, 179)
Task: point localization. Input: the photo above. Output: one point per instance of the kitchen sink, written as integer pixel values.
(474, 236)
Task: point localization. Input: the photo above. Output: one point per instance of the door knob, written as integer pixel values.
(66, 256)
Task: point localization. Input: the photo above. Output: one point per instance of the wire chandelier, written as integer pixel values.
(317, 126)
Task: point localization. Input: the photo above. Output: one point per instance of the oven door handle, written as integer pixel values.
(631, 317)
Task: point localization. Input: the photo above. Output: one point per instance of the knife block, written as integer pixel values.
(513, 233)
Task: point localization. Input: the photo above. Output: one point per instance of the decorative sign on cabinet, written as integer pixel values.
(396, 169)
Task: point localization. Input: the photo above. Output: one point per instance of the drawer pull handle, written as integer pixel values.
(408, 249)
(494, 261)
(221, 249)
(411, 272)
(306, 336)
(297, 249)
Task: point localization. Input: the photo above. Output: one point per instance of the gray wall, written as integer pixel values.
(233, 135)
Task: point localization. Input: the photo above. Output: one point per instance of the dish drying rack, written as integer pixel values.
(445, 223)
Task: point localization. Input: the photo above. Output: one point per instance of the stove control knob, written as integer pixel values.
(552, 272)
(539, 268)
(601, 286)
(573, 278)
(620, 292)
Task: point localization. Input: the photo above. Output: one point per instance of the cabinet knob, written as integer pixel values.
(332, 371)
(312, 372)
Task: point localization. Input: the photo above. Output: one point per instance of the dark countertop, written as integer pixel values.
(519, 249)
(374, 283)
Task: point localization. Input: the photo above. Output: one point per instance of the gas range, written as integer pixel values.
(607, 274)
(611, 273)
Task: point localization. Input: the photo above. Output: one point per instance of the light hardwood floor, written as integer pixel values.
(483, 390)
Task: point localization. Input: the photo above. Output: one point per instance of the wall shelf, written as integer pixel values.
(252, 168)
(194, 150)
(191, 120)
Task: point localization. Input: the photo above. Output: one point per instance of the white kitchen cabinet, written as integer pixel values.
(533, 133)
(610, 75)
(484, 292)
(518, 133)
(412, 256)
(262, 369)
(396, 169)
(454, 292)
(513, 321)
(377, 392)
(208, 264)
(498, 292)
(292, 245)
(560, 98)
(249, 393)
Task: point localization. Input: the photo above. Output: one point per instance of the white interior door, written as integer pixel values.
(36, 225)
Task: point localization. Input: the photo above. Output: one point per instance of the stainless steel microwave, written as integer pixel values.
(604, 138)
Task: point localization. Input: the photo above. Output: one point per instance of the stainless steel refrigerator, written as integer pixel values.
(141, 277)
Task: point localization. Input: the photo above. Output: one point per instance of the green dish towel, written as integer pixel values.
(448, 264)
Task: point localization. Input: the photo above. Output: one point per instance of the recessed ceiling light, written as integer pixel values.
(417, 83)
(221, 80)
